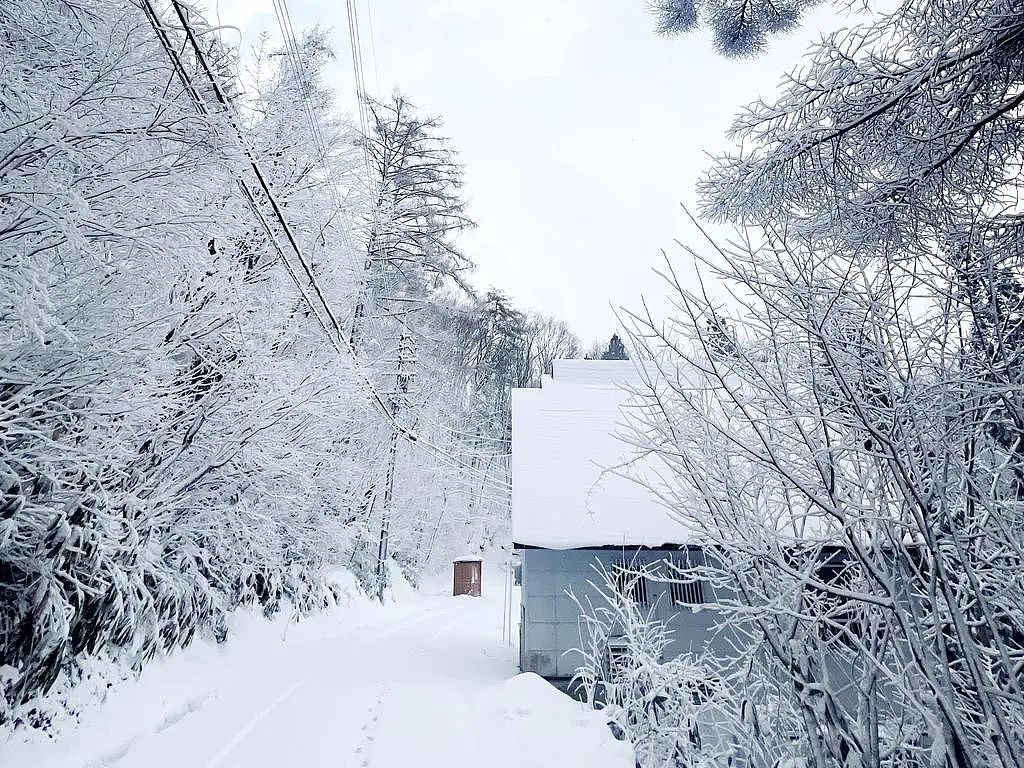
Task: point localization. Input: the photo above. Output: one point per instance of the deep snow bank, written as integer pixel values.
(537, 726)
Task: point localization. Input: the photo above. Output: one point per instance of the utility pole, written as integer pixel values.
(403, 380)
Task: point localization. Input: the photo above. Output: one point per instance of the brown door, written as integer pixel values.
(467, 579)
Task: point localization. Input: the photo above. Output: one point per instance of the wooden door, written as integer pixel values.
(467, 579)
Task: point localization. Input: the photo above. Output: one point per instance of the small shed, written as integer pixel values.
(467, 576)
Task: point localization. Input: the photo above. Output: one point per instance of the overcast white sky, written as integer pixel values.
(580, 129)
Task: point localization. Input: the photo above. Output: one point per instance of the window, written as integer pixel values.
(839, 618)
(618, 662)
(685, 588)
(630, 583)
(687, 592)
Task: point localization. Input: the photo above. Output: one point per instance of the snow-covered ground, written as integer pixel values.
(426, 680)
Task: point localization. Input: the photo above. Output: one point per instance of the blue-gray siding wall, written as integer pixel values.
(551, 619)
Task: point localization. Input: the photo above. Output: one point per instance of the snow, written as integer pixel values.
(423, 681)
(594, 373)
(563, 440)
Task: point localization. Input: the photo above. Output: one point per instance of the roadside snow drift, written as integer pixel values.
(536, 726)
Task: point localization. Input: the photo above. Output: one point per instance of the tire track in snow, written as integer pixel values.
(241, 734)
(418, 618)
(365, 640)
(172, 718)
(194, 705)
(450, 625)
(362, 754)
(362, 641)
(113, 756)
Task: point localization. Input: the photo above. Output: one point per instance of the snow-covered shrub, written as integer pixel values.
(163, 455)
(865, 400)
(674, 710)
(178, 435)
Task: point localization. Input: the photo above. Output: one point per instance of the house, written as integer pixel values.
(570, 517)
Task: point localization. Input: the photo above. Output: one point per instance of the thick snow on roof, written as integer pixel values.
(563, 437)
(595, 373)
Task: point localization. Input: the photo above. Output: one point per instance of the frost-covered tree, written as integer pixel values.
(181, 432)
(413, 267)
(739, 27)
(848, 443)
(549, 339)
(825, 464)
(89, 146)
(160, 414)
(615, 349)
(416, 212)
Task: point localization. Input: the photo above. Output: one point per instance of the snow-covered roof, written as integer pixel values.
(594, 373)
(563, 437)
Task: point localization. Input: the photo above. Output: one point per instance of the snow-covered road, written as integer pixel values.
(396, 693)
(425, 683)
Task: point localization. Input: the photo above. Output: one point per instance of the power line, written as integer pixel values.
(373, 45)
(304, 86)
(360, 83)
(320, 307)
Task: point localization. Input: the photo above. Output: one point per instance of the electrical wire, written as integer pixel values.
(320, 307)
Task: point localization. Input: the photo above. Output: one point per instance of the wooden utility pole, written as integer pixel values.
(403, 379)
